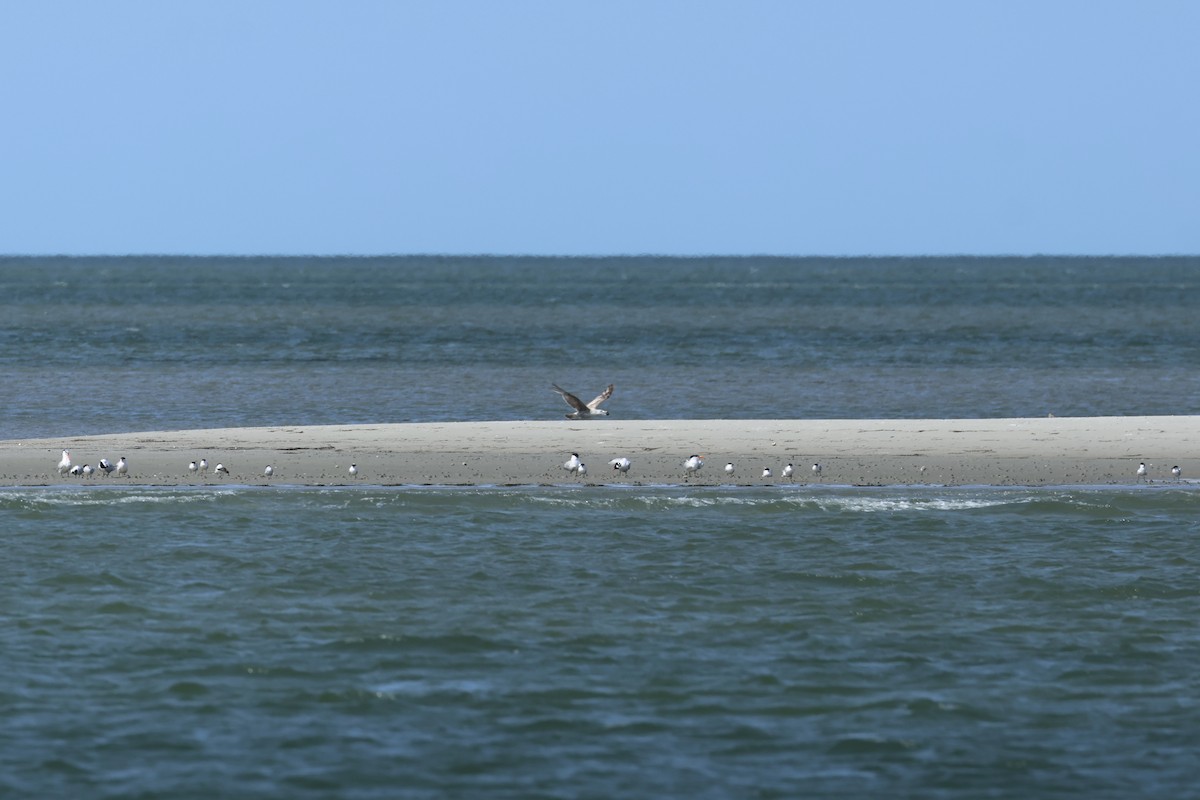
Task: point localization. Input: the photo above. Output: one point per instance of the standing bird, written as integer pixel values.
(1176, 471)
(106, 466)
(766, 472)
(584, 410)
(353, 470)
(1141, 471)
(191, 466)
(76, 471)
(788, 471)
(122, 467)
(623, 464)
(581, 470)
(729, 469)
(817, 469)
(65, 464)
(203, 465)
(87, 470)
(269, 471)
(692, 465)
(572, 463)
(221, 469)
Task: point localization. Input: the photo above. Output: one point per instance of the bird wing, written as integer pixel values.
(573, 401)
(607, 393)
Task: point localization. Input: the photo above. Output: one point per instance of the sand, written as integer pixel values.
(999, 452)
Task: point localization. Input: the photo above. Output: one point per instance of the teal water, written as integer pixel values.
(595, 642)
(611, 643)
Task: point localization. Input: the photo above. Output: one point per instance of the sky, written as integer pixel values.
(856, 127)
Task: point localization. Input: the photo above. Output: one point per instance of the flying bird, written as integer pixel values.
(65, 463)
(582, 410)
(623, 464)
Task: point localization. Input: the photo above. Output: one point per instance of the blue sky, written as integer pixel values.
(808, 128)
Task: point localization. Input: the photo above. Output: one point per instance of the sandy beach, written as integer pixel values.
(1001, 452)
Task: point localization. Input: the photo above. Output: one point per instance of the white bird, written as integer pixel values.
(623, 464)
(106, 466)
(353, 470)
(693, 464)
(582, 470)
(1176, 471)
(766, 472)
(572, 463)
(729, 468)
(191, 466)
(221, 469)
(65, 463)
(269, 471)
(1141, 470)
(87, 470)
(788, 471)
(76, 470)
(584, 410)
(817, 469)
(122, 467)
(204, 465)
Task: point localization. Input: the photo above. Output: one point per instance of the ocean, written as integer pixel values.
(568, 641)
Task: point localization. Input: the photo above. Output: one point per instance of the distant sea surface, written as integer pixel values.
(563, 641)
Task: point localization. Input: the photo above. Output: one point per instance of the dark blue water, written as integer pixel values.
(110, 345)
(595, 642)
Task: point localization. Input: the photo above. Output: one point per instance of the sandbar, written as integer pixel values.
(851, 452)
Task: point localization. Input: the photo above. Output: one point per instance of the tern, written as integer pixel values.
(1176, 471)
(788, 470)
(221, 469)
(269, 471)
(582, 410)
(76, 470)
(572, 463)
(106, 466)
(87, 470)
(766, 472)
(65, 464)
(191, 466)
(729, 468)
(122, 467)
(622, 464)
(204, 465)
(693, 464)
(353, 470)
(817, 469)
(581, 470)
(1141, 470)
